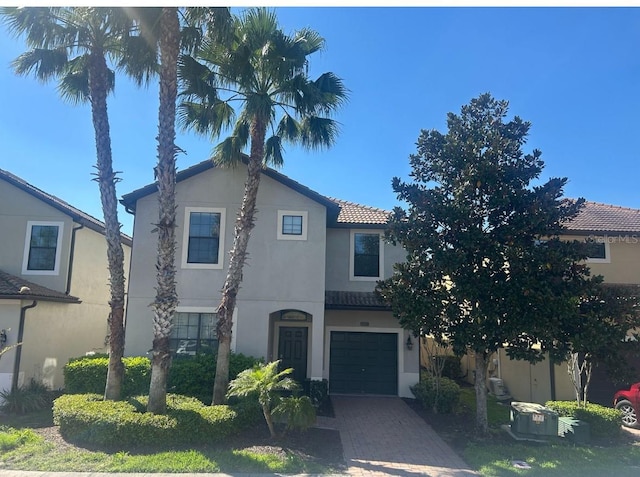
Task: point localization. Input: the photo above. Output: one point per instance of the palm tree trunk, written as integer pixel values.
(237, 257)
(481, 392)
(166, 299)
(267, 417)
(115, 255)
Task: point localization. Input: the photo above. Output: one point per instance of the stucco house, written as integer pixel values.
(307, 290)
(53, 283)
(615, 234)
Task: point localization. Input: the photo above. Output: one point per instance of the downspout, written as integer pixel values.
(73, 246)
(552, 378)
(16, 363)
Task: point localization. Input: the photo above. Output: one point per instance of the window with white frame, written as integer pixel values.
(193, 333)
(42, 248)
(366, 257)
(292, 225)
(203, 238)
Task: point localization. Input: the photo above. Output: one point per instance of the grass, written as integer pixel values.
(23, 448)
(495, 455)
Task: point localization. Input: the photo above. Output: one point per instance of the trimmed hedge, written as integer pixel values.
(192, 376)
(603, 421)
(87, 418)
(443, 401)
(88, 374)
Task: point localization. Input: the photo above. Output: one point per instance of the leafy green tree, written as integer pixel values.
(606, 333)
(266, 72)
(485, 267)
(72, 45)
(266, 382)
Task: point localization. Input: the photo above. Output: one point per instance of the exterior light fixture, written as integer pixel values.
(409, 343)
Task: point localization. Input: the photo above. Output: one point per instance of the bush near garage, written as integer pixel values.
(189, 376)
(442, 397)
(87, 418)
(604, 422)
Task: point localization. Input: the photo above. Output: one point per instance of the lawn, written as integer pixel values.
(499, 455)
(32, 443)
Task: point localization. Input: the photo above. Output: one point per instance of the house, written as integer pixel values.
(54, 280)
(307, 291)
(615, 234)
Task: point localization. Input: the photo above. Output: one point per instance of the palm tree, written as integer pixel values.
(265, 380)
(161, 26)
(265, 71)
(71, 45)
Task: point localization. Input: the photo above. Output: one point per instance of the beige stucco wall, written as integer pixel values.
(55, 332)
(376, 322)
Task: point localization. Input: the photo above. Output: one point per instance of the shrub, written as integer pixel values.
(11, 438)
(296, 412)
(33, 397)
(194, 376)
(440, 397)
(603, 421)
(123, 424)
(318, 392)
(89, 375)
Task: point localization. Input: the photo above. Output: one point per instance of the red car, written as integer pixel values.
(628, 401)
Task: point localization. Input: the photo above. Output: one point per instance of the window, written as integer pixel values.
(203, 239)
(292, 225)
(42, 248)
(366, 256)
(598, 251)
(193, 333)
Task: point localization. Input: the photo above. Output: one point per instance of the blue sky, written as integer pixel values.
(574, 73)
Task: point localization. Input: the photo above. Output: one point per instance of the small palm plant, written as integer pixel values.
(265, 381)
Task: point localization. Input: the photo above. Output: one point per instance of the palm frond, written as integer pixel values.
(206, 118)
(199, 82)
(229, 151)
(138, 58)
(43, 64)
(317, 132)
(288, 128)
(273, 152)
(74, 84)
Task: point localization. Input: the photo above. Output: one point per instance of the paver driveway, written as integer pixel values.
(383, 436)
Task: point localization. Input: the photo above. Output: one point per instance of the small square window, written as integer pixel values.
(366, 261)
(292, 225)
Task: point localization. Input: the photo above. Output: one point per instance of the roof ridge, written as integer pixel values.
(612, 206)
(54, 200)
(348, 202)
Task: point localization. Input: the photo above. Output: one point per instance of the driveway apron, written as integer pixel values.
(383, 436)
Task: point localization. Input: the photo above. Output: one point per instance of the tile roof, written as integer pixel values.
(16, 288)
(75, 213)
(596, 217)
(352, 213)
(345, 300)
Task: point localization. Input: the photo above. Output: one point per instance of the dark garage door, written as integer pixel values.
(363, 363)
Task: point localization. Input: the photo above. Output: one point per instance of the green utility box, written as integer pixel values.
(529, 418)
(574, 429)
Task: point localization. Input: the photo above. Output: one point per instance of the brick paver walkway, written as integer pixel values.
(382, 436)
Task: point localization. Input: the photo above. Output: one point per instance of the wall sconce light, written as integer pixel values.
(3, 338)
(409, 343)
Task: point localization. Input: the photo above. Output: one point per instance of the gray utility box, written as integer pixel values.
(574, 429)
(533, 419)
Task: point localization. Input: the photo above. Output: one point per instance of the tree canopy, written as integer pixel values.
(485, 267)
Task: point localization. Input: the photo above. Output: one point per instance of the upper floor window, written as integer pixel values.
(598, 251)
(193, 333)
(203, 239)
(42, 248)
(292, 225)
(366, 256)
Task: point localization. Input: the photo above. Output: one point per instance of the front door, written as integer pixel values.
(292, 350)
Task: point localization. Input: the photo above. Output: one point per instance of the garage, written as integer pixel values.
(363, 363)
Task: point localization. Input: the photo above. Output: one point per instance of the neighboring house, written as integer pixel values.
(615, 234)
(54, 283)
(307, 291)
